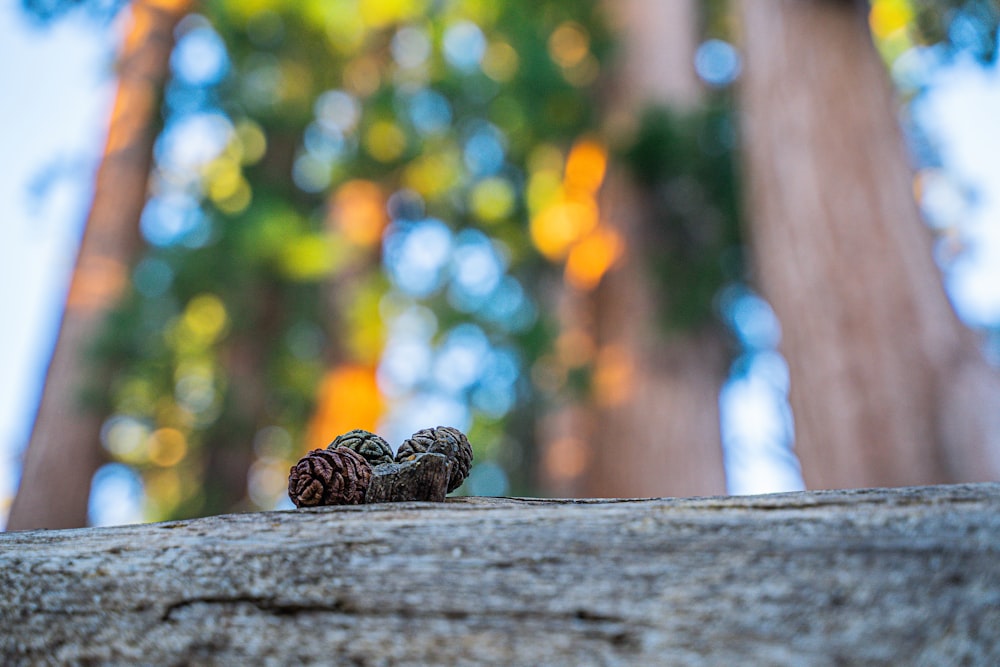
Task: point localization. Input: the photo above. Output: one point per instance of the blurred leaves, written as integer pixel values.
(687, 165)
(964, 25)
(338, 235)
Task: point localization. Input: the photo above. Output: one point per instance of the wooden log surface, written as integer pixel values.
(885, 577)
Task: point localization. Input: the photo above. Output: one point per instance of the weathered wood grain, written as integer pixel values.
(425, 477)
(884, 577)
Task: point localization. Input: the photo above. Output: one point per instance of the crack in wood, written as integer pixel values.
(622, 632)
(264, 604)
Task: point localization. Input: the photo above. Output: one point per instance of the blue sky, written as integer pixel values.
(961, 111)
(57, 88)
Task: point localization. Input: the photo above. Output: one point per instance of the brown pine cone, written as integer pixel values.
(441, 440)
(375, 450)
(329, 477)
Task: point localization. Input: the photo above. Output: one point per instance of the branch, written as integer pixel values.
(901, 576)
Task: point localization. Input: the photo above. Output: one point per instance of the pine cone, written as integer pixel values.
(375, 450)
(441, 440)
(329, 477)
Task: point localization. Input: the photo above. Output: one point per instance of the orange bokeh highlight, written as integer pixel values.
(561, 224)
(348, 398)
(358, 211)
(585, 166)
(591, 258)
(167, 447)
(566, 458)
(567, 228)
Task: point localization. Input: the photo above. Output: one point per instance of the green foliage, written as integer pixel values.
(969, 25)
(233, 332)
(686, 164)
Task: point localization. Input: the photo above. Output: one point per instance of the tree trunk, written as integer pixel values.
(887, 387)
(657, 48)
(228, 459)
(656, 430)
(64, 451)
(657, 433)
(876, 577)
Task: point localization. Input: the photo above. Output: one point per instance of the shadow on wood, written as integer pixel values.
(901, 576)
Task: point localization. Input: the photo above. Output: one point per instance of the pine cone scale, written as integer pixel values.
(329, 477)
(441, 440)
(372, 447)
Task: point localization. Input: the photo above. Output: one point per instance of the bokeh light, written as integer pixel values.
(116, 496)
(416, 254)
(199, 58)
(717, 63)
(464, 45)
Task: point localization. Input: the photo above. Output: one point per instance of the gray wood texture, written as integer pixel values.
(876, 577)
(424, 477)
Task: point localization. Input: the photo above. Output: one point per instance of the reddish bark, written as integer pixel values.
(887, 386)
(64, 451)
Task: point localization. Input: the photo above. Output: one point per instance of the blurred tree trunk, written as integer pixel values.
(887, 387)
(64, 451)
(656, 400)
(653, 424)
(229, 452)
